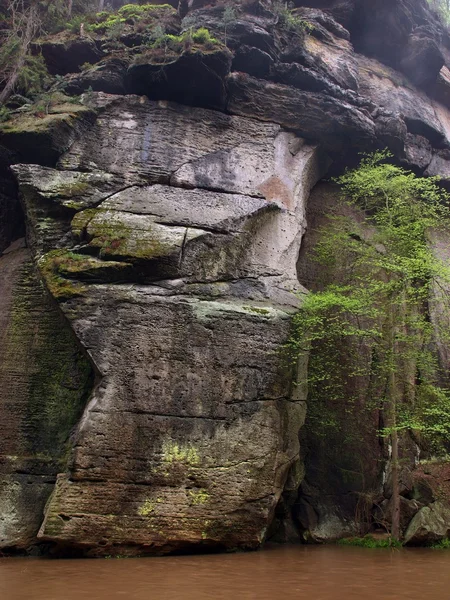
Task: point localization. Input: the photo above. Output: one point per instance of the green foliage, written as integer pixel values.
(87, 66)
(290, 21)
(33, 75)
(168, 44)
(441, 545)
(229, 16)
(5, 114)
(442, 7)
(368, 541)
(202, 36)
(131, 14)
(375, 323)
(74, 25)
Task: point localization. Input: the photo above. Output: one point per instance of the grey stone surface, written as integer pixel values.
(192, 428)
(430, 524)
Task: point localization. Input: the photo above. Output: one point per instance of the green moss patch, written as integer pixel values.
(51, 265)
(44, 114)
(117, 235)
(54, 376)
(61, 267)
(130, 14)
(167, 48)
(369, 541)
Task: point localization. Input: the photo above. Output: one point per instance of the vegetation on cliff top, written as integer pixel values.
(391, 282)
(22, 22)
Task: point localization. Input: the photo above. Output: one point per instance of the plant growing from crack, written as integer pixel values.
(229, 16)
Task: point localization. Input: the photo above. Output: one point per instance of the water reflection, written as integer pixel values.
(285, 573)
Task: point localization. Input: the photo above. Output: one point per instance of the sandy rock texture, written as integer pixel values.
(169, 236)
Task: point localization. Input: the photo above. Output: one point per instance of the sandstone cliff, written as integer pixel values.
(165, 191)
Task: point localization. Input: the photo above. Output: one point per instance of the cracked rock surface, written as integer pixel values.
(169, 237)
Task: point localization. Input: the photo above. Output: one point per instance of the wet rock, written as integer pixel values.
(336, 59)
(408, 508)
(388, 89)
(239, 32)
(423, 492)
(52, 132)
(422, 59)
(418, 151)
(11, 215)
(302, 78)
(382, 29)
(323, 21)
(252, 61)
(45, 379)
(442, 87)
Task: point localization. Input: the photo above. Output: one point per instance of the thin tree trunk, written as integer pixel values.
(395, 529)
(392, 409)
(69, 8)
(32, 25)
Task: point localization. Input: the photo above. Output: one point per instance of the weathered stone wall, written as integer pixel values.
(44, 381)
(174, 261)
(167, 235)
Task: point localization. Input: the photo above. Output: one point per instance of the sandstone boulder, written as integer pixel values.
(178, 286)
(430, 524)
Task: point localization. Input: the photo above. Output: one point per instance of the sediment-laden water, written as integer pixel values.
(285, 573)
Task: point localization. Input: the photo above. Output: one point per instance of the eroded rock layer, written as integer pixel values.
(145, 405)
(169, 236)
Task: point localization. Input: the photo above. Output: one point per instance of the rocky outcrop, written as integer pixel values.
(430, 524)
(45, 381)
(165, 210)
(170, 254)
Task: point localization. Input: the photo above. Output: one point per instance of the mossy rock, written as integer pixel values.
(41, 137)
(64, 270)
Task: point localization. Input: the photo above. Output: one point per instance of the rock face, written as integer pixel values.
(174, 260)
(45, 381)
(145, 405)
(430, 524)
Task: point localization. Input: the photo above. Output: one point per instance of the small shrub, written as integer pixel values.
(184, 42)
(5, 114)
(203, 36)
(106, 22)
(74, 25)
(368, 541)
(442, 544)
(33, 76)
(289, 21)
(229, 16)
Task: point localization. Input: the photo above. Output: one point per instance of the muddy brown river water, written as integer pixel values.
(285, 573)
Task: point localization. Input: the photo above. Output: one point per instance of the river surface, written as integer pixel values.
(284, 573)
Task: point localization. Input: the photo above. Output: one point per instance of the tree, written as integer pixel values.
(25, 23)
(387, 273)
(229, 16)
(442, 7)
